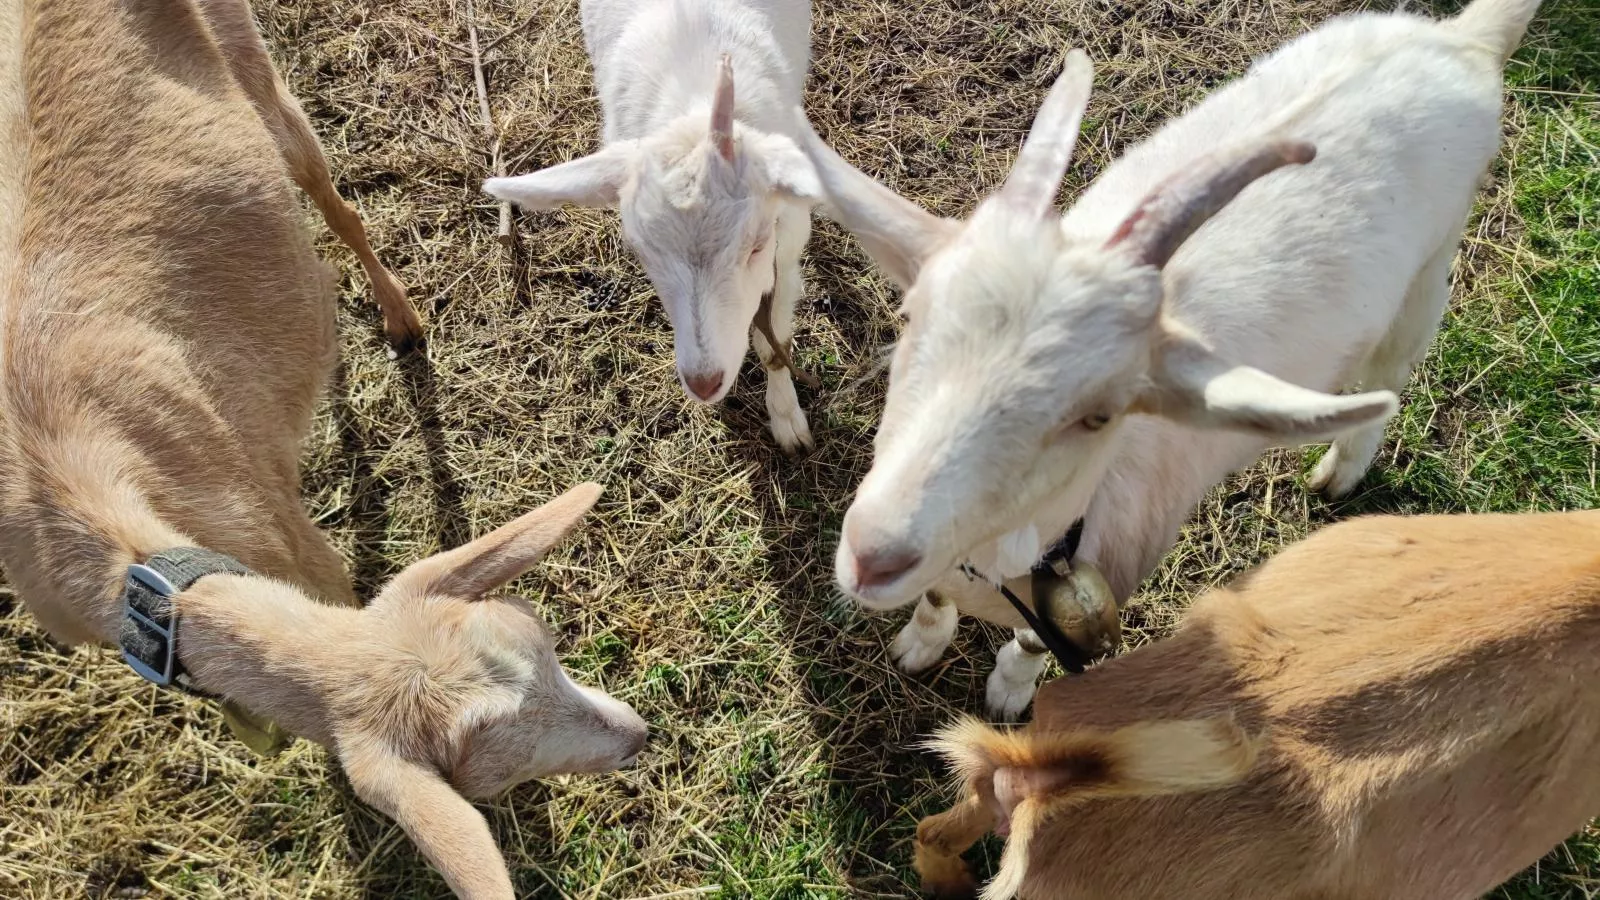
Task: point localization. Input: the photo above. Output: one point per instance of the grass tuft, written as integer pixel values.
(782, 761)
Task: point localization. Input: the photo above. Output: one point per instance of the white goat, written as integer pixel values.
(716, 197)
(1116, 363)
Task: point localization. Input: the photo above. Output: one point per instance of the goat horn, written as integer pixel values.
(722, 110)
(1042, 162)
(1168, 215)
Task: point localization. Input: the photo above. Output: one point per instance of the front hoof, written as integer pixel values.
(923, 641)
(403, 332)
(944, 877)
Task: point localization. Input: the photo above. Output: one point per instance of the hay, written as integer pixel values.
(781, 761)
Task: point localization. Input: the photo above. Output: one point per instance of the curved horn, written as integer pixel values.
(1166, 217)
(722, 110)
(1040, 165)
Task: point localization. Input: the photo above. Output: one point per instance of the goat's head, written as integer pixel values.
(700, 201)
(1025, 350)
(465, 696)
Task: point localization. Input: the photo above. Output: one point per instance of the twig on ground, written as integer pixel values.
(506, 237)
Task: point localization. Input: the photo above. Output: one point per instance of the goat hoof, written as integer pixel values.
(921, 643)
(944, 877)
(1330, 478)
(404, 336)
(792, 433)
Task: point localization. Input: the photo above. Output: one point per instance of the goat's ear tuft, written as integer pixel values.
(474, 569)
(1191, 383)
(593, 180)
(789, 169)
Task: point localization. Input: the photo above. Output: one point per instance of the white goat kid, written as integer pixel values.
(1115, 363)
(715, 196)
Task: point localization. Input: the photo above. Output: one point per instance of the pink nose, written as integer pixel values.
(704, 386)
(880, 567)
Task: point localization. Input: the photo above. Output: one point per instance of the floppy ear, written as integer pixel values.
(789, 169)
(1192, 384)
(472, 570)
(447, 829)
(593, 180)
(897, 234)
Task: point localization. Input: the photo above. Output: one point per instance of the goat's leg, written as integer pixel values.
(1017, 668)
(1389, 368)
(246, 56)
(941, 839)
(925, 638)
(788, 420)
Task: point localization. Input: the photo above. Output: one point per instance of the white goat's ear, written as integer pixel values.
(1192, 384)
(593, 180)
(444, 826)
(897, 234)
(789, 169)
(474, 569)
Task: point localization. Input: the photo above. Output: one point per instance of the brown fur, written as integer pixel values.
(1423, 689)
(165, 332)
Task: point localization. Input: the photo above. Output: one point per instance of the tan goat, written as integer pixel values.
(1395, 708)
(165, 331)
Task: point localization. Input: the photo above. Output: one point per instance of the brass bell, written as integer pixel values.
(1081, 604)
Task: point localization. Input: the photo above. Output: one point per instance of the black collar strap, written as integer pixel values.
(1057, 562)
(150, 624)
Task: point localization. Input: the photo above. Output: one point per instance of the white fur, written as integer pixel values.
(1012, 683)
(1025, 332)
(924, 639)
(1324, 275)
(712, 236)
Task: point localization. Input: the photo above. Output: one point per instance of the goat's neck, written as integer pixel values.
(272, 649)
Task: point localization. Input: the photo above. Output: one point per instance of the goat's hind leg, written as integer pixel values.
(1389, 368)
(789, 426)
(941, 839)
(925, 638)
(246, 55)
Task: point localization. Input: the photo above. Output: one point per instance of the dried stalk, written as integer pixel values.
(506, 236)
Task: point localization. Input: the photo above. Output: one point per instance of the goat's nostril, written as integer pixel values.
(878, 568)
(639, 740)
(705, 385)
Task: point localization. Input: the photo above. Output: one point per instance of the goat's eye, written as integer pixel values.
(756, 250)
(1095, 422)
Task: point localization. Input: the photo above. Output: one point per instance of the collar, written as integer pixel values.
(149, 638)
(1056, 563)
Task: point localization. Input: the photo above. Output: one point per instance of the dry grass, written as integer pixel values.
(781, 763)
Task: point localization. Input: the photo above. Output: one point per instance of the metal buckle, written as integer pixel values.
(157, 584)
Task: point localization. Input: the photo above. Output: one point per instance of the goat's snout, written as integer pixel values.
(877, 558)
(875, 568)
(638, 736)
(704, 385)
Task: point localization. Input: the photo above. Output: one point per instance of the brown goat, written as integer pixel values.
(1394, 708)
(165, 331)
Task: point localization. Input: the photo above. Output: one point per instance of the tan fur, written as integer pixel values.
(1424, 689)
(165, 331)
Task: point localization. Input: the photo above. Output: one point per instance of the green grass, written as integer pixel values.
(1534, 420)
(784, 760)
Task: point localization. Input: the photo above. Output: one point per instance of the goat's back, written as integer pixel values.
(160, 216)
(168, 327)
(1427, 690)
